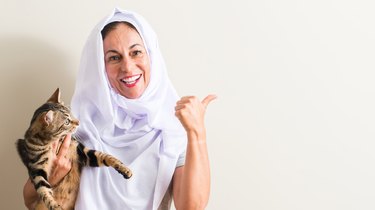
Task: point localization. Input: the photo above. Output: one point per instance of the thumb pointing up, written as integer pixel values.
(208, 99)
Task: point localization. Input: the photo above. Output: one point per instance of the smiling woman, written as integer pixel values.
(126, 59)
(129, 108)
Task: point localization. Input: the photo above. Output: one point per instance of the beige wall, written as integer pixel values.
(293, 127)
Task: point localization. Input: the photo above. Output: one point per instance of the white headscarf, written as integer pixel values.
(143, 133)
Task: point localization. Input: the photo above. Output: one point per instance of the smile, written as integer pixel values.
(131, 81)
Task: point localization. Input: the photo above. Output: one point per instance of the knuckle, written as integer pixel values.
(56, 161)
(60, 163)
(67, 166)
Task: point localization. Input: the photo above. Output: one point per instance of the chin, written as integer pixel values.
(131, 96)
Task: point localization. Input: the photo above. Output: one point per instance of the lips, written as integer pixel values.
(131, 81)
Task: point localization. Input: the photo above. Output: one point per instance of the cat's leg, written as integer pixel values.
(95, 158)
(43, 188)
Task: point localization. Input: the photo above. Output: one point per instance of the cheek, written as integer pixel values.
(147, 78)
(147, 72)
(111, 73)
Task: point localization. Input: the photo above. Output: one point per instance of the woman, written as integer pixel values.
(128, 108)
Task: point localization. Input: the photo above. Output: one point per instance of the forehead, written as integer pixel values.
(57, 108)
(122, 34)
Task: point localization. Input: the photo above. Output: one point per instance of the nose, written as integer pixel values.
(127, 65)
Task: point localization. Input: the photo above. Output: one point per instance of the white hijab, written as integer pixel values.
(143, 133)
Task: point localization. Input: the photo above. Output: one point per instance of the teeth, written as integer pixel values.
(131, 80)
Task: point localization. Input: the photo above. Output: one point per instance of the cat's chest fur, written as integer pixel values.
(65, 192)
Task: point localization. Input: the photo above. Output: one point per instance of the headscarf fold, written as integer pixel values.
(143, 133)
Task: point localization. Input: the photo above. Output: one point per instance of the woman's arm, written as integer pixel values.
(62, 166)
(191, 182)
(29, 195)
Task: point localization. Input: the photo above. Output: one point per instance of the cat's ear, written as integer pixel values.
(48, 117)
(55, 98)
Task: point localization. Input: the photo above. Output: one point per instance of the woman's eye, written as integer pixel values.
(136, 53)
(114, 58)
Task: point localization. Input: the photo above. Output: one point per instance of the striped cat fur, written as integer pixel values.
(50, 124)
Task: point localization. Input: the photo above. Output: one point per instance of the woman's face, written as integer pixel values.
(126, 61)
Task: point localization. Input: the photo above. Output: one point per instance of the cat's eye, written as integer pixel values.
(67, 122)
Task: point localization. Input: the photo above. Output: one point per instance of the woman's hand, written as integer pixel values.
(61, 167)
(61, 161)
(190, 111)
(191, 182)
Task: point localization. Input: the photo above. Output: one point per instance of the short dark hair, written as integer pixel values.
(111, 26)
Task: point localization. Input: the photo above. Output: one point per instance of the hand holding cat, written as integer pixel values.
(61, 164)
(190, 111)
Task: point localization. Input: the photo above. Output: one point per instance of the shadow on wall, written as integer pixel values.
(30, 71)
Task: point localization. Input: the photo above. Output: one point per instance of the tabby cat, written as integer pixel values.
(50, 124)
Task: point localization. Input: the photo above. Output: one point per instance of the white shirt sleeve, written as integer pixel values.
(181, 159)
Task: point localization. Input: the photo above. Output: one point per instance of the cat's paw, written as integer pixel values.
(127, 174)
(56, 207)
(124, 171)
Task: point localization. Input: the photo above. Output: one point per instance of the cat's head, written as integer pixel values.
(53, 120)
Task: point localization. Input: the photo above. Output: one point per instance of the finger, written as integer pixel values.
(64, 146)
(184, 99)
(54, 146)
(208, 99)
(179, 107)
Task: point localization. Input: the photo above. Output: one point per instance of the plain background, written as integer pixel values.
(293, 127)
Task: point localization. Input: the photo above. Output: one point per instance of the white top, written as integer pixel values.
(143, 133)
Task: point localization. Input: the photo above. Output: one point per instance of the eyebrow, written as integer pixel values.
(134, 45)
(115, 51)
(111, 51)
